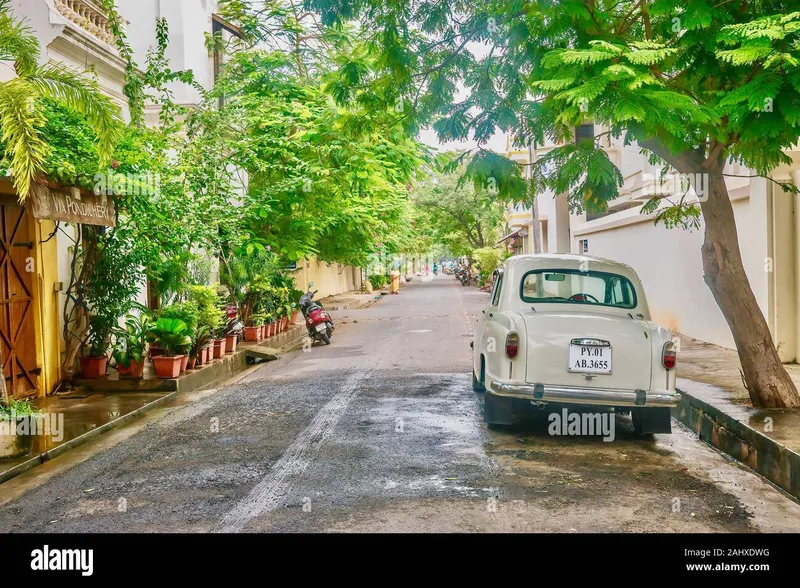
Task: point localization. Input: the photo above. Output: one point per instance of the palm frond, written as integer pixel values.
(84, 96)
(20, 120)
(17, 42)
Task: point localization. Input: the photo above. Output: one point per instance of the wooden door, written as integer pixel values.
(17, 326)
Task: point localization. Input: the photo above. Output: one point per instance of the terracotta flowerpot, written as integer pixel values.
(155, 351)
(192, 363)
(230, 343)
(167, 368)
(184, 363)
(284, 324)
(219, 348)
(93, 367)
(263, 332)
(251, 334)
(208, 354)
(134, 371)
(295, 316)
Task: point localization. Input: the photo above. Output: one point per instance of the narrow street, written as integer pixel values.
(380, 431)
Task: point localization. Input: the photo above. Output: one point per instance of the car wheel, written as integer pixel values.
(476, 384)
(647, 421)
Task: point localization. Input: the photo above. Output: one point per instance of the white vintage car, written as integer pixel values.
(573, 330)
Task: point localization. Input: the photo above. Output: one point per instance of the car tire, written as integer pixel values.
(477, 386)
(649, 421)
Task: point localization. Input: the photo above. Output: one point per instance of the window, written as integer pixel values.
(584, 132)
(576, 287)
(498, 285)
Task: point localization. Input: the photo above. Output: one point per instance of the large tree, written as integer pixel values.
(460, 215)
(696, 83)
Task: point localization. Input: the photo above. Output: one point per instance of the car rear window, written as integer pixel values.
(565, 286)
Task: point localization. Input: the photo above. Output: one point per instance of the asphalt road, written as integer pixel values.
(380, 431)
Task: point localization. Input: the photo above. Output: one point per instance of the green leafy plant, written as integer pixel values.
(17, 408)
(188, 312)
(201, 339)
(131, 339)
(378, 280)
(100, 328)
(488, 259)
(22, 113)
(209, 312)
(172, 335)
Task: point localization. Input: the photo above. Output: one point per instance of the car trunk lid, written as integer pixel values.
(549, 335)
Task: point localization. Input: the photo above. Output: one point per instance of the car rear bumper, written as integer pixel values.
(586, 396)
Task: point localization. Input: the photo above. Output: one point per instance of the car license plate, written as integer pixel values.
(322, 328)
(590, 359)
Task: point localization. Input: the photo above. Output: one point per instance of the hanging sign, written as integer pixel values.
(73, 206)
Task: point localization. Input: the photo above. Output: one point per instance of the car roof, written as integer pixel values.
(568, 261)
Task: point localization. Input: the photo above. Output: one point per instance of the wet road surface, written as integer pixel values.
(380, 431)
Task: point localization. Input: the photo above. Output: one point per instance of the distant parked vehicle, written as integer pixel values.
(576, 330)
(318, 322)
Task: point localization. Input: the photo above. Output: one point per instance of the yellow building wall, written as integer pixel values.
(328, 279)
(46, 308)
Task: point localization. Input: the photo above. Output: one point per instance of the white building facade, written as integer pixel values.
(668, 260)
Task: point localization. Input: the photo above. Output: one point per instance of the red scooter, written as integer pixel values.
(318, 322)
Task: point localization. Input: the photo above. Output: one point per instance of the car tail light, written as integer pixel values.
(512, 344)
(668, 356)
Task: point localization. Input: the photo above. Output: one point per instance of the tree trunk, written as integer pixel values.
(766, 379)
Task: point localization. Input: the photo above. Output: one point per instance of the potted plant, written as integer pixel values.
(260, 319)
(269, 319)
(18, 425)
(219, 343)
(198, 355)
(232, 330)
(295, 297)
(94, 364)
(171, 335)
(130, 349)
(210, 316)
(286, 312)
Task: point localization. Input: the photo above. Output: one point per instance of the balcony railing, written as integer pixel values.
(88, 15)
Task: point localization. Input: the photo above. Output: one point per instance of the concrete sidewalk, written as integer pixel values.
(97, 406)
(717, 407)
(350, 300)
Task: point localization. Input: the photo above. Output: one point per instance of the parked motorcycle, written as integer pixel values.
(318, 322)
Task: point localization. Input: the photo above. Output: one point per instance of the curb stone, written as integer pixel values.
(759, 452)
